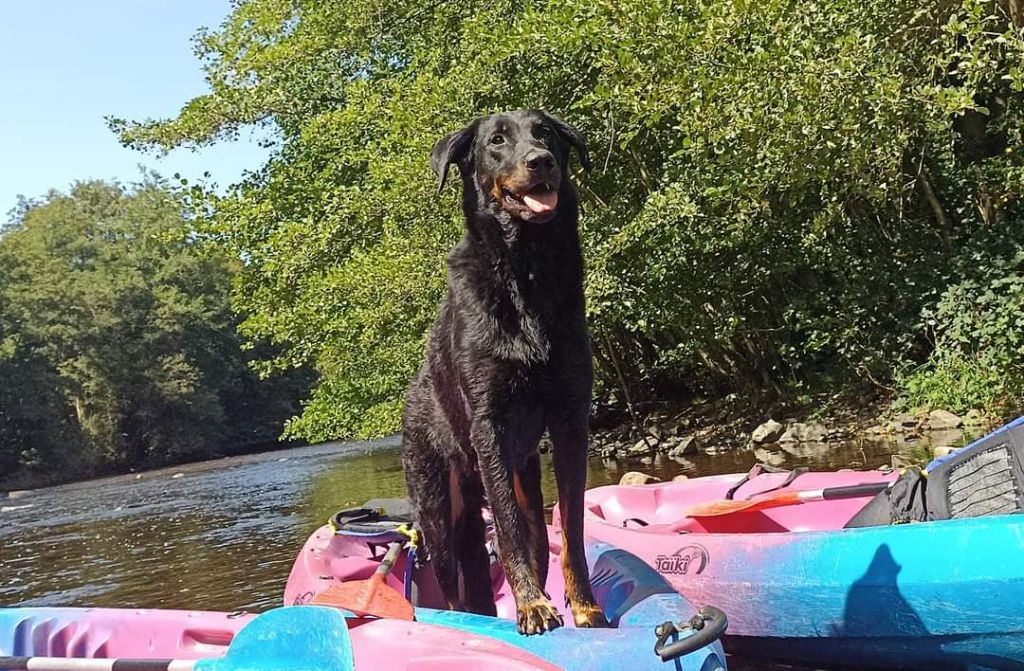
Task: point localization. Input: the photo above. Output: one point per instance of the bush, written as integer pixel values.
(978, 329)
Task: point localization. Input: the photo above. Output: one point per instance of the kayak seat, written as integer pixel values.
(374, 522)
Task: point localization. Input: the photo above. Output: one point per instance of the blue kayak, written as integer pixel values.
(121, 638)
(284, 639)
(799, 587)
(637, 602)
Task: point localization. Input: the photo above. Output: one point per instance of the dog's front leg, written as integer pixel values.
(569, 444)
(535, 612)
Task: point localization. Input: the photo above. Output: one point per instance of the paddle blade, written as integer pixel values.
(367, 597)
(729, 507)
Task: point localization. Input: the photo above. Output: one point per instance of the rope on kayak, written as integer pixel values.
(757, 470)
(634, 520)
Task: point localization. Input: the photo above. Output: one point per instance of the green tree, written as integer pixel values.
(780, 187)
(34, 421)
(117, 333)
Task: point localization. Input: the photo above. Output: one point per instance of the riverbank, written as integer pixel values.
(731, 423)
(285, 452)
(675, 431)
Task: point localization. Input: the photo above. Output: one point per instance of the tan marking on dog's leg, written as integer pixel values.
(455, 495)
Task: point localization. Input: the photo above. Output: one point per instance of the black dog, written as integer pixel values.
(508, 357)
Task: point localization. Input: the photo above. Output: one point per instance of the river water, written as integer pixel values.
(222, 535)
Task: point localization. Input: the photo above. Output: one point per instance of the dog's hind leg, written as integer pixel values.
(526, 482)
(427, 477)
(569, 444)
(478, 595)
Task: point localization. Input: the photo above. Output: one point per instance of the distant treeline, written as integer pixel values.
(118, 345)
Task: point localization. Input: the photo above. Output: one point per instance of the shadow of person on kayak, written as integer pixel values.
(875, 606)
(876, 609)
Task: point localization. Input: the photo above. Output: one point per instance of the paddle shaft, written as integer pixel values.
(79, 664)
(388, 562)
(832, 493)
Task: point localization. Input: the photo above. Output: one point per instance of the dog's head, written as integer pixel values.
(518, 161)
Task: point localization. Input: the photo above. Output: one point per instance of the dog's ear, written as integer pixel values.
(572, 136)
(452, 148)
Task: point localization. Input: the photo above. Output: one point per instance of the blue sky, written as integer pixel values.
(64, 65)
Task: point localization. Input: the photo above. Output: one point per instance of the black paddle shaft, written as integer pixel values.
(853, 491)
(85, 664)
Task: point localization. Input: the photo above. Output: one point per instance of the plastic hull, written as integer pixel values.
(634, 597)
(296, 639)
(798, 587)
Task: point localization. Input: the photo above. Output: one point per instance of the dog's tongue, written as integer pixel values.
(541, 202)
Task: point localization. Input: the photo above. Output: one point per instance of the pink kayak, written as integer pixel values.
(799, 587)
(635, 600)
(284, 638)
(654, 509)
(330, 557)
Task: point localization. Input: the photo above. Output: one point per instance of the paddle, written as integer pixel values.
(83, 664)
(298, 637)
(727, 507)
(372, 596)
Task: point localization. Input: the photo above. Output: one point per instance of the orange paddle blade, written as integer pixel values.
(726, 507)
(367, 597)
(372, 596)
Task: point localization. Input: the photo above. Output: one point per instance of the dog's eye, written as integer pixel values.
(497, 139)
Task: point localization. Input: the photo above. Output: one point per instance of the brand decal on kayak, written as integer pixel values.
(687, 560)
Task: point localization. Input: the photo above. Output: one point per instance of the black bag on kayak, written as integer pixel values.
(984, 478)
(904, 501)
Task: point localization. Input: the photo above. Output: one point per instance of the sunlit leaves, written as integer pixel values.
(778, 188)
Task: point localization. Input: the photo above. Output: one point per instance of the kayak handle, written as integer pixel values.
(708, 625)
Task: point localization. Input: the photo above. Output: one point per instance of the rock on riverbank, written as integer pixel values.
(720, 427)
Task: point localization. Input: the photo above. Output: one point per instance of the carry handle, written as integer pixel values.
(708, 624)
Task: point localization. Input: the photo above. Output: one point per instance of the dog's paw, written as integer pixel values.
(538, 616)
(589, 615)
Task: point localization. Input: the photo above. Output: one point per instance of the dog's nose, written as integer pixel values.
(540, 160)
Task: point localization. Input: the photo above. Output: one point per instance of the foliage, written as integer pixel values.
(978, 325)
(780, 187)
(118, 346)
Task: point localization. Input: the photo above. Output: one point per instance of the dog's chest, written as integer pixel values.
(526, 316)
(520, 300)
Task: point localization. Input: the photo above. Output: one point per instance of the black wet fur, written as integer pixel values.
(508, 358)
